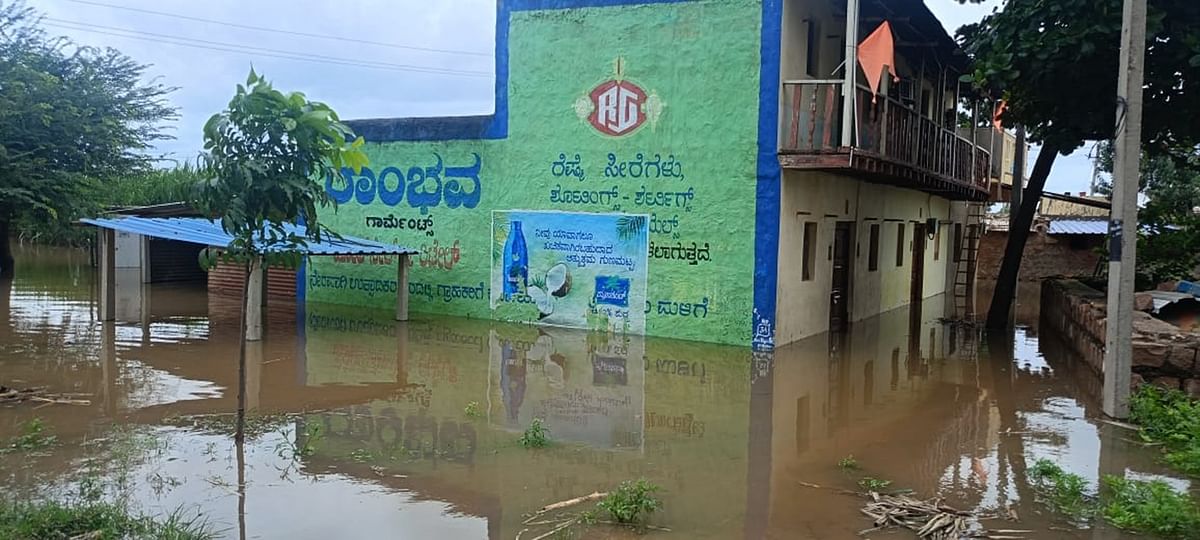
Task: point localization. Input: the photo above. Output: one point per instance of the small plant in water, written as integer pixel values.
(536, 435)
(472, 410)
(1150, 507)
(32, 437)
(1060, 490)
(632, 501)
(874, 484)
(1172, 418)
(848, 463)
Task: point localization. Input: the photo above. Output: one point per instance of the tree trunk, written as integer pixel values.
(6, 256)
(1010, 266)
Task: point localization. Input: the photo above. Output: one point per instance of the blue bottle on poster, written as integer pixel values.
(516, 261)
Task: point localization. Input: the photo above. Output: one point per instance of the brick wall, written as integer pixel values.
(1163, 354)
(1045, 255)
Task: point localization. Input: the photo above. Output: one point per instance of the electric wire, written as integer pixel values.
(252, 50)
(280, 31)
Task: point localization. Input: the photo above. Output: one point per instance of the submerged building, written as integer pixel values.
(680, 168)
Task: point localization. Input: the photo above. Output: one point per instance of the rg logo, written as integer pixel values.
(617, 107)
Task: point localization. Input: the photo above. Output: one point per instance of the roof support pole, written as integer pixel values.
(108, 274)
(254, 300)
(402, 288)
(849, 82)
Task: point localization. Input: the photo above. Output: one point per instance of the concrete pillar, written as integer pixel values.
(254, 303)
(108, 274)
(402, 288)
(145, 256)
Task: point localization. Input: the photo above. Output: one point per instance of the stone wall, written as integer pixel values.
(1162, 353)
(1045, 255)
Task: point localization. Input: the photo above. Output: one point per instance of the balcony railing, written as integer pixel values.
(885, 130)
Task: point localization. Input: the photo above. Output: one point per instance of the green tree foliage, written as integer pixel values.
(70, 117)
(264, 155)
(139, 188)
(1055, 63)
(1169, 241)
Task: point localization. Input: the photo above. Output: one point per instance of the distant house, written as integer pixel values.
(1065, 239)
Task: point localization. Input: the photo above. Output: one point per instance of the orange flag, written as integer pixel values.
(878, 50)
(1000, 107)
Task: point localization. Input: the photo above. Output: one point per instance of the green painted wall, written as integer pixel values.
(698, 64)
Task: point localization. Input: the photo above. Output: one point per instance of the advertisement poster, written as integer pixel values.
(570, 269)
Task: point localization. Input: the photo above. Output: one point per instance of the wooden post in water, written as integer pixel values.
(402, 287)
(108, 274)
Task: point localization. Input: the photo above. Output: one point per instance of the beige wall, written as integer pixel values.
(824, 198)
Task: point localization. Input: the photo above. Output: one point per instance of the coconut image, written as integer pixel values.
(558, 280)
(544, 302)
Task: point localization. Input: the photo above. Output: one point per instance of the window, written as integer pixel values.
(900, 244)
(937, 242)
(957, 249)
(810, 250)
(813, 48)
(873, 254)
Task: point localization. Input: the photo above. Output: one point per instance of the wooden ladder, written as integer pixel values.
(968, 263)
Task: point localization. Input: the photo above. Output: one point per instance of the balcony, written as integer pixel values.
(893, 143)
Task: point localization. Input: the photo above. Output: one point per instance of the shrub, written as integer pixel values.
(536, 435)
(1150, 507)
(632, 501)
(1062, 491)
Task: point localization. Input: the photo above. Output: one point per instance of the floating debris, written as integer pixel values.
(15, 395)
(930, 518)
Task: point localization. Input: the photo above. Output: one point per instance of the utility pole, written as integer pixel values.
(1122, 225)
(1018, 174)
(1018, 191)
(849, 83)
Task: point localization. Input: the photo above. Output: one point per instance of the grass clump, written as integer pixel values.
(848, 463)
(472, 410)
(33, 437)
(94, 520)
(632, 502)
(1150, 507)
(1063, 491)
(873, 484)
(1172, 418)
(536, 435)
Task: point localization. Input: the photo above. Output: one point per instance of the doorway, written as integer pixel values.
(918, 263)
(843, 270)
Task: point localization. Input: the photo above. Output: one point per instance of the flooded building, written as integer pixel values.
(703, 170)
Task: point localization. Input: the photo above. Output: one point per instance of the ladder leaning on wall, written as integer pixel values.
(967, 263)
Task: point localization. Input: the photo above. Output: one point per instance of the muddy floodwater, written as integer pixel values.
(363, 427)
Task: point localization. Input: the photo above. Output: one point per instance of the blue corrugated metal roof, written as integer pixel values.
(209, 233)
(1078, 226)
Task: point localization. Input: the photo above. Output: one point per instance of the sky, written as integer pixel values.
(366, 58)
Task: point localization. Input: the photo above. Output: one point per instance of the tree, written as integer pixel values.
(69, 117)
(263, 156)
(1169, 232)
(1054, 62)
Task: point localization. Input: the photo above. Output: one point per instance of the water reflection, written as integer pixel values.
(355, 412)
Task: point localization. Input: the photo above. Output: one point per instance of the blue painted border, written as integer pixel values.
(495, 126)
(766, 212)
